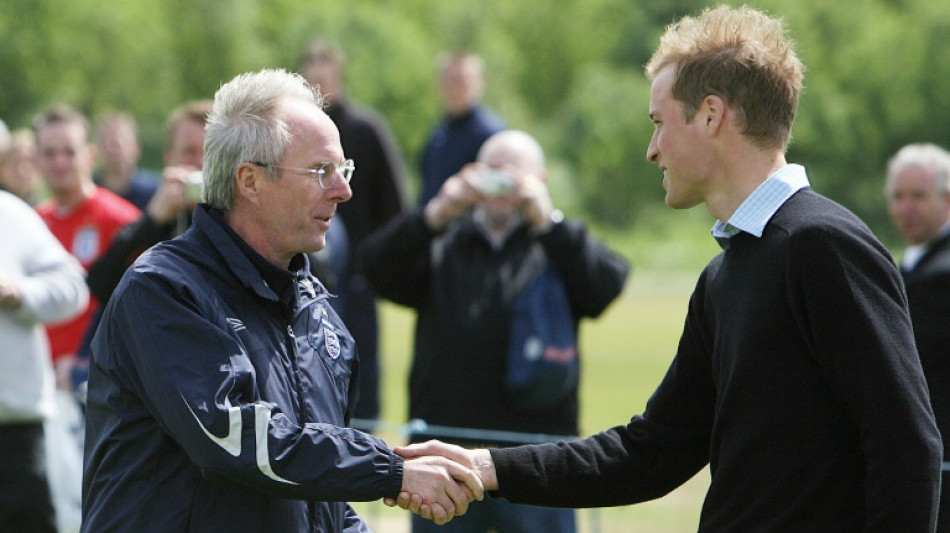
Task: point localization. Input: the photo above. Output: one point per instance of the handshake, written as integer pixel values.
(440, 480)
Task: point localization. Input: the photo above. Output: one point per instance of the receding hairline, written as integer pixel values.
(927, 156)
(525, 144)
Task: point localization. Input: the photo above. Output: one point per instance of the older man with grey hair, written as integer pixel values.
(918, 199)
(222, 380)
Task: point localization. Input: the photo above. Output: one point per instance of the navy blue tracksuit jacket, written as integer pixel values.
(216, 404)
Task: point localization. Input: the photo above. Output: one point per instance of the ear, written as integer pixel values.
(247, 181)
(712, 111)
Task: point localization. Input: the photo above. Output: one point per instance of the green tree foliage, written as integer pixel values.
(569, 72)
(604, 125)
(877, 79)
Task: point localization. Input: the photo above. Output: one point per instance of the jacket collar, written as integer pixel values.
(930, 250)
(246, 264)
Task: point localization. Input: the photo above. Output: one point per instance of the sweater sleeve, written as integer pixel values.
(874, 370)
(623, 465)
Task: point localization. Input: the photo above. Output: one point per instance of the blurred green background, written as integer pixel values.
(569, 72)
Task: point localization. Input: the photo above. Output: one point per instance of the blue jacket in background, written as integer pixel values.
(453, 143)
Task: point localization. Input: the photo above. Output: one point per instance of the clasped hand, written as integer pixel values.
(440, 480)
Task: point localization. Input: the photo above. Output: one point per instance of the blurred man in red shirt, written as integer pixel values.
(83, 216)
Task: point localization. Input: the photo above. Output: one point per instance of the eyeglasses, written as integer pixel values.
(326, 172)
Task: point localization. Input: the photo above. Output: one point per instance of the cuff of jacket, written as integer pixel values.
(394, 481)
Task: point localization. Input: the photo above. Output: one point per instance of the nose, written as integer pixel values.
(58, 159)
(340, 191)
(653, 154)
(349, 191)
(902, 204)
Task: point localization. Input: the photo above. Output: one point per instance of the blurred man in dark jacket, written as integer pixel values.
(918, 198)
(378, 196)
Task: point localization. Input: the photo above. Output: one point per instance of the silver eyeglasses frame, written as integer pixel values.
(325, 168)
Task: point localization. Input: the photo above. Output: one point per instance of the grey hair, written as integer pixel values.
(923, 155)
(244, 126)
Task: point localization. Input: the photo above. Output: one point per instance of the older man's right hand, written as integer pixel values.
(437, 488)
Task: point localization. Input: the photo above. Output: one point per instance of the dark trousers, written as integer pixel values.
(502, 516)
(25, 501)
(361, 319)
(943, 514)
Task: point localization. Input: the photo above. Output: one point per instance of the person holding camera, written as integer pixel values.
(461, 262)
(168, 213)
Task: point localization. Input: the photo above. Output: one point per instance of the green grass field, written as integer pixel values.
(625, 354)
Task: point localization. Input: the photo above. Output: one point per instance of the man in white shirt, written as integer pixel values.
(40, 282)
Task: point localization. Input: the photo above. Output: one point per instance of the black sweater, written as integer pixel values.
(796, 379)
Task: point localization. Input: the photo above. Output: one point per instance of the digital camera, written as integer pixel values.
(493, 182)
(194, 185)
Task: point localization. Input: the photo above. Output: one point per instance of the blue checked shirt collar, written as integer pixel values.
(756, 210)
